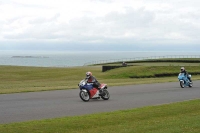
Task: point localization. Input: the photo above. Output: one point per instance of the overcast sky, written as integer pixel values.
(100, 25)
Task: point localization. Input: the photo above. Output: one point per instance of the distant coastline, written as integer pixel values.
(29, 57)
(81, 58)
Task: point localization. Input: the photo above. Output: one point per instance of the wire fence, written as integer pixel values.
(141, 58)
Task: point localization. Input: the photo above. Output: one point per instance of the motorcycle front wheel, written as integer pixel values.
(84, 96)
(182, 84)
(105, 95)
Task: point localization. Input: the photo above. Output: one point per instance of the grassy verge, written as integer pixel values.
(29, 79)
(169, 118)
(147, 71)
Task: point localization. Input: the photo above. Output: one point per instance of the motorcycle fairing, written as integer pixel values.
(102, 85)
(183, 78)
(93, 91)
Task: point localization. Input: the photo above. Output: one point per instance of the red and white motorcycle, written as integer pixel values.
(87, 91)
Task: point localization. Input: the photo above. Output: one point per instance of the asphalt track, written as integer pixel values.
(50, 104)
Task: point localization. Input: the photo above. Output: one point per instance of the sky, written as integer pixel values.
(104, 25)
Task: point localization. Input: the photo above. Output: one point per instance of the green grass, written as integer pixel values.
(181, 117)
(169, 118)
(25, 79)
(146, 71)
(15, 79)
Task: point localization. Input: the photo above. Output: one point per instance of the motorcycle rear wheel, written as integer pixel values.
(84, 96)
(191, 84)
(105, 95)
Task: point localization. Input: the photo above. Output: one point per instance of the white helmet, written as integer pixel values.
(88, 74)
(182, 68)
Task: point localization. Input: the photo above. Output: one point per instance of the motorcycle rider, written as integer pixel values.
(185, 73)
(91, 79)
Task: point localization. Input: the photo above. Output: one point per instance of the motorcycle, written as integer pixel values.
(184, 81)
(87, 91)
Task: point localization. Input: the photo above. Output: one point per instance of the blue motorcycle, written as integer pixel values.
(184, 81)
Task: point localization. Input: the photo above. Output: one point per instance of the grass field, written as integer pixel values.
(15, 79)
(181, 117)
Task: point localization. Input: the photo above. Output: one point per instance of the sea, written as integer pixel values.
(83, 58)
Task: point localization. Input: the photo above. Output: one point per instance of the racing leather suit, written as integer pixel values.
(93, 80)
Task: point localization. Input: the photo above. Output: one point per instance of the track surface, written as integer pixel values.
(50, 104)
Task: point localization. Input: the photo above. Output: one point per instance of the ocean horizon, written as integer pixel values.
(81, 58)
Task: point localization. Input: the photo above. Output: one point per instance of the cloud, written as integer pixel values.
(109, 22)
(41, 20)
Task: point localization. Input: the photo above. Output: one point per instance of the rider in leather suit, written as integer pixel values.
(185, 73)
(93, 80)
